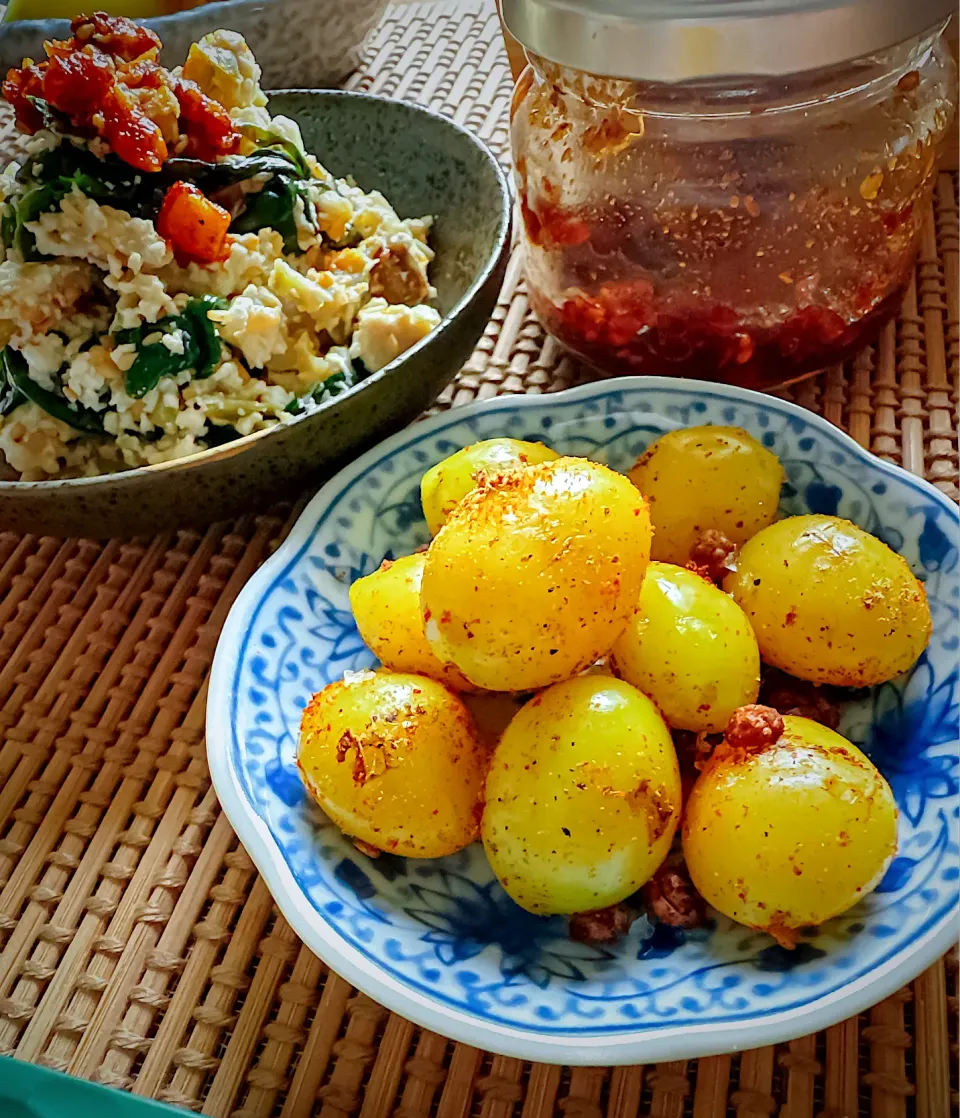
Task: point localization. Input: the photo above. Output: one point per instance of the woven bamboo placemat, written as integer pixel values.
(139, 948)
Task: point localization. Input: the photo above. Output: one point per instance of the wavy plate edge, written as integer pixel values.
(665, 1044)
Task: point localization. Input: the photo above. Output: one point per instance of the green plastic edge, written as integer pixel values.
(28, 1091)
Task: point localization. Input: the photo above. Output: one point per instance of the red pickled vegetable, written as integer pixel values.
(17, 88)
(195, 227)
(101, 79)
(207, 123)
(115, 35)
(78, 83)
(134, 137)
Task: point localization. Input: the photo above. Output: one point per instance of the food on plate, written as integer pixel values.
(601, 925)
(670, 897)
(177, 270)
(690, 648)
(699, 479)
(395, 761)
(535, 573)
(582, 797)
(614, 695)
(386, 608)
(788, 825)
(829, 602)
(445, 485)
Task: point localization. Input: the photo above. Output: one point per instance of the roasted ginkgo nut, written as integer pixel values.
(445, 485)
(386, 608)
(535, 574)
(829, 602)
(690, 648)
(789, 833)
(395, 761)
(700, 478)
(582, 796)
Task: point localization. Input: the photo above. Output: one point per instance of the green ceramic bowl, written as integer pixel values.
(425, 164)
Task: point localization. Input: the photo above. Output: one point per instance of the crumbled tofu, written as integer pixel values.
(254, 323)
(383, 331)
(334, 212)
(331, 304)
(174, 342)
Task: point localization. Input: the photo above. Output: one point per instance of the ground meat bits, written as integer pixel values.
(601, 925)
(754, 727)
(398, 277)
(711, 555)
(796, 696)
(672, 899)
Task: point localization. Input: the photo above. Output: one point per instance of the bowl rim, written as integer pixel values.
(393, 368)
(668, 1043)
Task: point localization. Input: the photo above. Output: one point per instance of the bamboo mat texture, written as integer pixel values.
(139, 948)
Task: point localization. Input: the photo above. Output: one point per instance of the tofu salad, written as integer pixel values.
(177, 270)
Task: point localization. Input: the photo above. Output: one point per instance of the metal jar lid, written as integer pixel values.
(685, 40)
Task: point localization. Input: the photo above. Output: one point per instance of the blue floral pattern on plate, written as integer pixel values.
(439, 940)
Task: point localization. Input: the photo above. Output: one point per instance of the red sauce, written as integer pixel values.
(134, 137)
(646, 326)
(107, 82)
(210, 132)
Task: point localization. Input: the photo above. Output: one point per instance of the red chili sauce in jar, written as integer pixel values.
(751, 237)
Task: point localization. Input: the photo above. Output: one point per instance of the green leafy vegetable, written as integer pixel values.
(201, 346)
(267, 139)
(28, 206)
(334, 385)
(274, 208)
(205, 332)
(10, 395)
(211, 177)
(16, 375)
(48, 177)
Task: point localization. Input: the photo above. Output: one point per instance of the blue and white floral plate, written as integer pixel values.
(439, 941)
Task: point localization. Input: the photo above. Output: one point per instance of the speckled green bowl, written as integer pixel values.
(425, 164)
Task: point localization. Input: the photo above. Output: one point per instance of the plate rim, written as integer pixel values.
(666, 1043)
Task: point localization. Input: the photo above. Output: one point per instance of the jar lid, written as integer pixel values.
(683, 40)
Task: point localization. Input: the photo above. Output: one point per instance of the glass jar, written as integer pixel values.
(750, 229)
